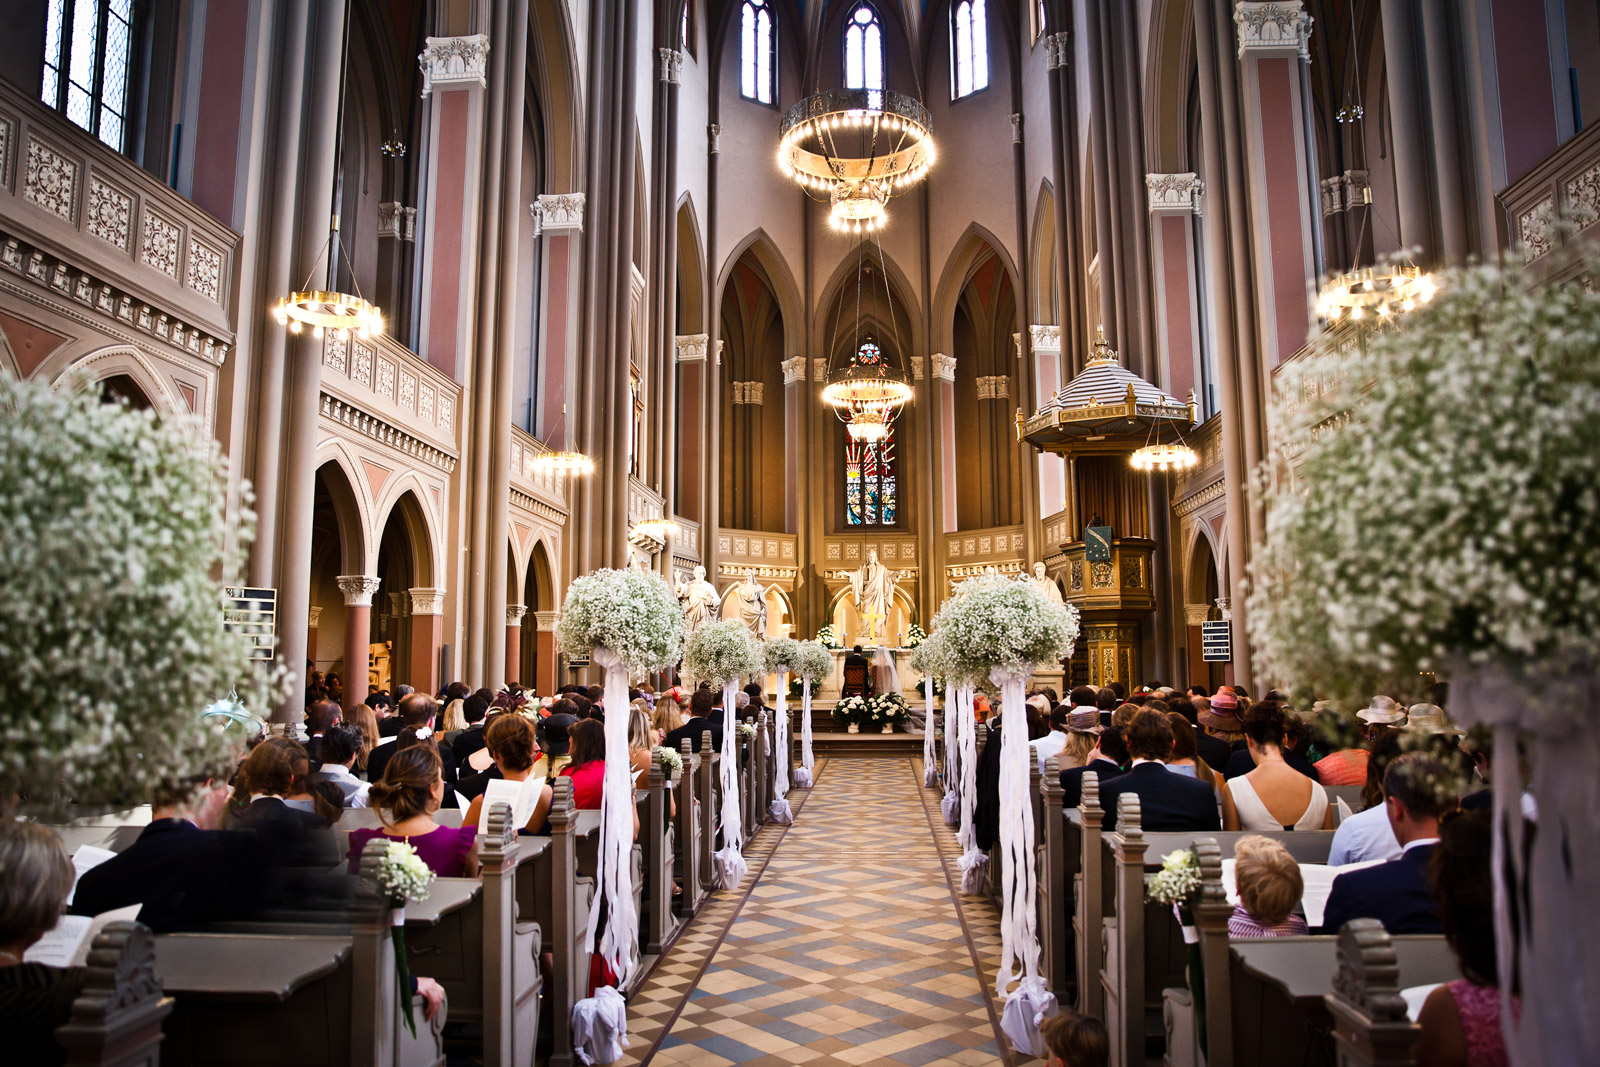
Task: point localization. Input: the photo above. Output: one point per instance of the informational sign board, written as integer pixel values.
(1216, 641)
(576, 660)
(253, 613)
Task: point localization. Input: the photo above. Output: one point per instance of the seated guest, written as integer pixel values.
(406, 797)
(273, 775)
(1082, 724)
(471, 739)
(1167, 801)
(1270, 886)
(641, 744)
(1478, 747)
(1460, 1020)
(417, 711)
(1038, 718)
(340, 743)
(753, 691)
(452, 721)
(1397, 893)
(1107, 760)
(1367, 835)
(554, 739)
(1273, 796)
(320, 716)
(510, 743)
(587, 771)
(35, 877)
(1292, 748)
(1185, 758)
(700, 720)
(1219, 715)
(1344, 766)
(1075, 1040)
(1105, 700)
(1070, 749)
(668, 714)
(362, 718)
(582, 706)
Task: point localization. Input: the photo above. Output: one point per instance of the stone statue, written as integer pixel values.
(1049, 588)
(753, 606)
(699, 598)
(873, 589)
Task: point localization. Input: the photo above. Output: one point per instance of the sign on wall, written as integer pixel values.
(1216, 641)
(252, 613)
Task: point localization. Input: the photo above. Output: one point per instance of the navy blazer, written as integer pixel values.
(692, 730)
(184, 876)
(1214, 750)
(1167, 801)
(1396, 893)
(1072, 780)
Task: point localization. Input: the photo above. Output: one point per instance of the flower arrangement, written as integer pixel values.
(782, 654)
(827, 637)
(884, 711)
(938, 687)
(1178, 880)
(1432, 505)
(746, 731)
(928, 659)
(915, 636)
(631, 613)
(815, 661)
(402, 877)
(671, 762)
(996, 623)
(112, 635)
(721, 653)
(815, 685)
(850, 711)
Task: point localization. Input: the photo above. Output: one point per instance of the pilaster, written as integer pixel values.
(1175, 205)
(944, 381)
(427, 635)
(358, 590)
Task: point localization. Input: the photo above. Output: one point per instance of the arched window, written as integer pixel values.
(969, 48)
(757, 52)
(88, 58)
(863, 50)
(869, 480)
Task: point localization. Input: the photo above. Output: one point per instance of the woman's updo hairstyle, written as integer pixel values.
(407, 781)
(1264, 724)
(510, 740)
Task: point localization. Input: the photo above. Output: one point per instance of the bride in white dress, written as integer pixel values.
(1274, 796)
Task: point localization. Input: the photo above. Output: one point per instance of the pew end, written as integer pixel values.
(116, 1020)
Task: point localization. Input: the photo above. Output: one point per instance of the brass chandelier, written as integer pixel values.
(325, 310)
(856, 148)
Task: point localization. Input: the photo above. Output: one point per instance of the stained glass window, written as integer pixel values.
(869, 484)
(863, 50)
(88, 54)
(756, 52)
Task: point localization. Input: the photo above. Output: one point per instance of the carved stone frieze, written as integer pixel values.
(558, 213)
(380, 430)
(158, 244)
(110, 213)
(204, 273)
(449, 62)
(1273, 27)
(52, 180)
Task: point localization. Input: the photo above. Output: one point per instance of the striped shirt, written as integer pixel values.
(1242, 924)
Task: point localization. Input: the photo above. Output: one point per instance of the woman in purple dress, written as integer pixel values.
(410, 791)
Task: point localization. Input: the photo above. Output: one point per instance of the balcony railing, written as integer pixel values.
(1563, 188)
(392, 394)
(549, 489)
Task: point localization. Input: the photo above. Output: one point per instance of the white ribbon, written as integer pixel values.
(968, 726)
(952, 755)
(781, 813)
(1030, 1004)
(600, 1022)
(930, 769)
(802, 773)
(730, 858)
(1019, 946)
(619, 943)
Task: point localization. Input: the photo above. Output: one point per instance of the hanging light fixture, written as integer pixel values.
(562, 464)
(856, 148)
(324, 310)
(657, 530)
(1174, 457)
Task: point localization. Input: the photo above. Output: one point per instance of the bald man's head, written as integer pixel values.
(417, 709)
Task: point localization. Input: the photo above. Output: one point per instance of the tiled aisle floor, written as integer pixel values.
(845, 944)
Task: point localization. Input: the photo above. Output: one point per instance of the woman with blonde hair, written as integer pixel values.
(406, 798)
(366, 720)
(1270, 885)
(455, 717)
(668, 715)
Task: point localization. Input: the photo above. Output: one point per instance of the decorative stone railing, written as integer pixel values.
(88, 222)
(386, 391)
(771, 555)
(996, 544)
(1564, 186)
(540, 488)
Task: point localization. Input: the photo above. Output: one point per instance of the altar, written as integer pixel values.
(833, 685)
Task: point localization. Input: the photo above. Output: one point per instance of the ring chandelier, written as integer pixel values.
(857, 147)
(563, 463)
(329, 310)
(1381, 290)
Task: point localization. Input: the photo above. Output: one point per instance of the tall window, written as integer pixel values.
(969, 48)
(863, 50)
(869, 488)
(88, 57)
(756, 52)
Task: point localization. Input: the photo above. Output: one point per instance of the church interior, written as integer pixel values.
(830, 318)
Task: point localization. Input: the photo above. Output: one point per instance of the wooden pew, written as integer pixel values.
(657, 834)
(1054, 927)
(690, 840)
(552, 892)
(116, 1020)
(1370, 1025)
(308, 999)
(710, 793)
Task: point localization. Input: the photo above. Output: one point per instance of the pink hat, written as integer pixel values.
(1225, 701)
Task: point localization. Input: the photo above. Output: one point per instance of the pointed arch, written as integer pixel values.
(1044, 302)
(965, 257)
(124, 361)
(555, 81)
(336, 475)
(690, 313)
(761, 247)
(907, 311)
(1169, 75)
(406, 494)
(541, 571)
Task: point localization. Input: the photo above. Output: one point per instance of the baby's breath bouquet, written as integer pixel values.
(782, 655)
(402, 877)
(827, 637)
(721, 653)
(631, 613)
(815, 661)
(815, 664)
(671, 762)
(1002, 626)
(117, 540)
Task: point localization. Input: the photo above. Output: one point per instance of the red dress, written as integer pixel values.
(1346, 767)
(588, 784)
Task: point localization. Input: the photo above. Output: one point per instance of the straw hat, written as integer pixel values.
(1430, 718)
(1223, 714)
(1084, 721)
(1383, 711)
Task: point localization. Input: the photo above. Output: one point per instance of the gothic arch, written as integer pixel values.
(965, 257)
(690, 312)
(557, 87)
(1169, 75)
(123, 361)
(405, 493)
(911, 339)
(1044, 301)
(351, 510)
(541, 568)
(762, 249)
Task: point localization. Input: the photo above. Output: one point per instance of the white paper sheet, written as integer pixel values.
(522, 796)
(462, 802)
(1317, 877)
(1344, 809)
(1415, 996)
(86, 859)
(68, 944)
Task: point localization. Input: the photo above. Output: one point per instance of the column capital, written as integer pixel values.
(1357, 188)
(357, 589)
(1016, 127)
(748, 392)
(671, 64)
(427, 601)
(557, 212)
(944, 367)
(545, 621)
(1046, 340)
(1225, 605)
(994, 387)
(819, 369)
(313, 616)
(1273, 27)
(450, 62)
(1057, 49)
(1168, 193)
(397, 602)
(1332, 195)
(794, 370)
(714, 135)
(691, 347)
(514, 614)
(919, 368)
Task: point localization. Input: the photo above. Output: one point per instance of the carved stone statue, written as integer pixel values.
(753, 606)
(1046, 586)
(699, 598)
(873, 589)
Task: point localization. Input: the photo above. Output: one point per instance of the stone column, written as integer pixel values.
(358, 590)
(313, 616)
(1405, 124)
(427, 634)
(690, 351)
(1443, 113)
(513, 671)
(558, 224)
(794, 376)
(1274, 49)
(1175, 204)
(1046, 345)
(544, 668)
(944, 377)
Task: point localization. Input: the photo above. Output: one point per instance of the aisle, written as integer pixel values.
(844, 946)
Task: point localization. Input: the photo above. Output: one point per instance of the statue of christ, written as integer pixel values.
(873, 589)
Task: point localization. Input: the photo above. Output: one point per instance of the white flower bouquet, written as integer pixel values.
(915, 636)
(999, 624)
(671, 762)
(402, 877)
(631, 613)
(851, 711)
(928, 657)
(884, 711)
(721, 653)
(112, 635)
(1178, 880)
(815, 661)
(746, 731)
(827, 637)
(782, 655)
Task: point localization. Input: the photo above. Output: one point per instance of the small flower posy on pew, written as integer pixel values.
(402, 877)
(671, 762)
(746, 731)
(1178, 880)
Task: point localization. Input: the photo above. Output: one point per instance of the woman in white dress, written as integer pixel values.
(1274, 796)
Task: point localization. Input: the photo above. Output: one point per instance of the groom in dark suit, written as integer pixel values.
(1167, 801)
(1398, 893)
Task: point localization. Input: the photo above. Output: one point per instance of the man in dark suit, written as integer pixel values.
(857, 675)
(1397, 893)
(465, 742)
(701, 719)
(1106, 759)
(1167, 801)
(320, 716)
(417, 711)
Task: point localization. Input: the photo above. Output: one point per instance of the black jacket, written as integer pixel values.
(184, 876)
(1214, 750)
(1072, 780)
(1395, 893)
(691, 732)
(986, 813)
(1167, 801)
(380, 756)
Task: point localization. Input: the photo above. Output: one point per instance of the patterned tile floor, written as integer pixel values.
(844, 945)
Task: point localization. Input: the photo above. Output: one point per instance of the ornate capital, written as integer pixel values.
(747, 392)
(714, 134)
(1273, 27)
(1225, 605)
(919, 367)
(1057, 49)
(994, 387)
(514, 614)
(448, 62)
(692, 347)
(1046, 340)
(313, 616)
(1195, 614)
(1174, 192)
(1016, 127)
(389, 219)
(545, 621)
(1357, 188)
(794, 370)
(819, 370)
(557, 212)
(1332, 195)
(357, 589)
(427, 601)
(397, 603)
(671, 64)
(944, 367)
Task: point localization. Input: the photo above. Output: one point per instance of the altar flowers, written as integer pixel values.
(814, 663)
(1004, 629)
(782, 655)
(721, 653)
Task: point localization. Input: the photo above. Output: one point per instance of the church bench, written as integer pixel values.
(692, 793)
(116, 1019)
(710, 791)
(657, 834)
